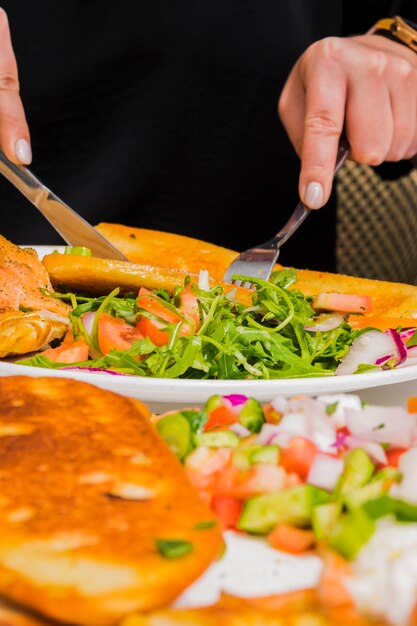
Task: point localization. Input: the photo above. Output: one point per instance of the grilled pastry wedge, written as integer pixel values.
(29, 318)
(97, 518)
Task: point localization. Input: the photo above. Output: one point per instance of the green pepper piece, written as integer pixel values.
(176, 431)
(350, 532)
(387, 505)
(173, 548)
(252, 415)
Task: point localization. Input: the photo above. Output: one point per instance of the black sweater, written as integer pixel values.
(163, 114)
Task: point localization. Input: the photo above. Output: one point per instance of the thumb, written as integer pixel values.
(14, 132)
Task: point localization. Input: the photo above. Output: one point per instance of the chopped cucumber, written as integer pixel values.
(324, 517)
(220, 439)
(371, 491)
(176, 431)
(291, 506)
(252, 415)
(357, 472)
(350, 532)
(245, 456)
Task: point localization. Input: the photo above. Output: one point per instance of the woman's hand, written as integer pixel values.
(14, 132)
(367, 84)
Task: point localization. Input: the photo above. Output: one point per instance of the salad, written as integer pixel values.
(327, 474)
(201, 332)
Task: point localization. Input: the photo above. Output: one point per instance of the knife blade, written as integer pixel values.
(73, 228)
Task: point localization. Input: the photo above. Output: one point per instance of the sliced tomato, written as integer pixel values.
(342, 302)
(298, 456)
(291, 539)
(227, 510)
(115, 334)
(220, 416)
(189, 306)
(70, 351)
(156, 330)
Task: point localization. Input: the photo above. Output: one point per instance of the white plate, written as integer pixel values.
(162, 394)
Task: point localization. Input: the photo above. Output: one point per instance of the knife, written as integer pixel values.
(73, 228)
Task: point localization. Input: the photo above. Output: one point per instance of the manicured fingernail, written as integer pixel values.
(314, 195)
(23, 151)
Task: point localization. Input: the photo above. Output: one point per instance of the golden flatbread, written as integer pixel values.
(394, 304)
(97, 518)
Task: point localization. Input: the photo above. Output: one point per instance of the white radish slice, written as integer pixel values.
(366, 350)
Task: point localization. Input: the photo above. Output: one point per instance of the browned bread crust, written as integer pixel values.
(87, 487)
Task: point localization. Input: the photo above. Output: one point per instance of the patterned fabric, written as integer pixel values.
(377, 225)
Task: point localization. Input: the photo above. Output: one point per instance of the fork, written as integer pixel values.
(259, 261)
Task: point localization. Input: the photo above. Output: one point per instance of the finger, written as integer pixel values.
(291, 108)
(369, 121)
(325, 84)
(403, 96)
(14, 132)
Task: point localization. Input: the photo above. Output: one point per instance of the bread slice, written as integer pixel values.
(88, 490)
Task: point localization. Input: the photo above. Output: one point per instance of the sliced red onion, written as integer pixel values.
(236, 398)
(400, 345)
(375, 450)
(88, 321)
(204, 280)
(393, 425)
(240, 430)
(267, 434)
(407, 333)
(325, 322)
(325, 471)
(366, 350)
(94, 369)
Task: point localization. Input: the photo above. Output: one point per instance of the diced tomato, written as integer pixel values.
(220, 416)
(115, 334)
(70, 351)
(290, 539)
(342, 302)
(189, 306)
(272, 416)
(258, 479)
(298, 456)
(412, 405)
(227, 510)
(393, 456)
(158, 331)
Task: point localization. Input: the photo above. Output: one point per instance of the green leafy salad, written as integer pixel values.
(202, 333)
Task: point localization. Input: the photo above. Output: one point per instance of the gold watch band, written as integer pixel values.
(399, 29)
